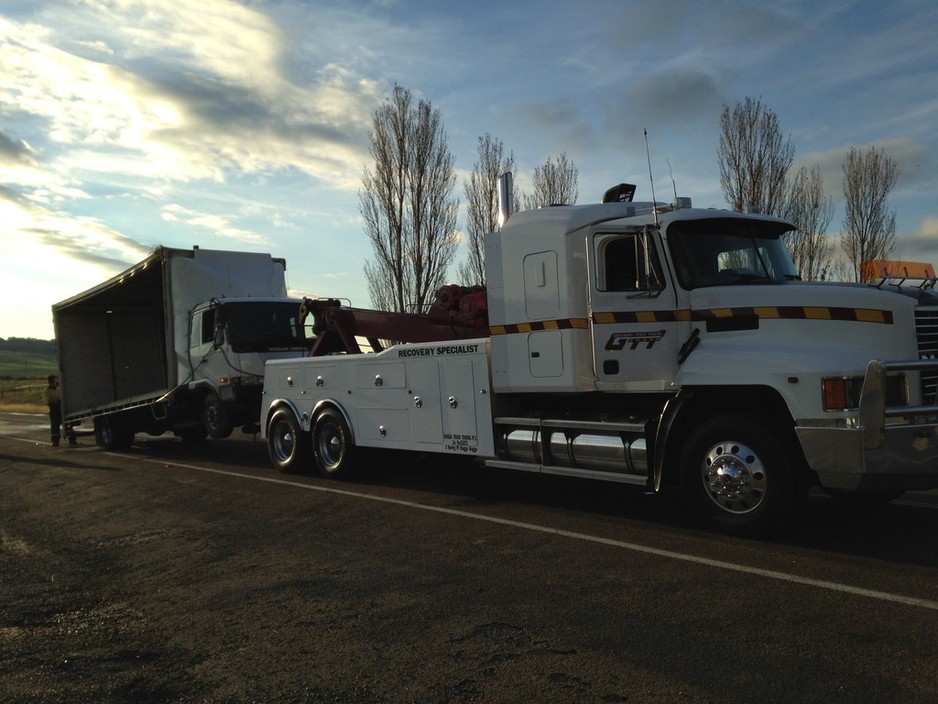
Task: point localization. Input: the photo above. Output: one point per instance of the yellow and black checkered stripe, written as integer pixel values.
(565, 324)
(644, 316)
(857, 315)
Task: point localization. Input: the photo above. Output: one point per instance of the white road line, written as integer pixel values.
(31, 441)
(634, 547)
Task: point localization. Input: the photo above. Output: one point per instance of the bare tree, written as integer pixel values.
(810, 212)
(482, 205)
(556, 182)
(869, 225)
(754, 157)
(840, 269)
(410, 216)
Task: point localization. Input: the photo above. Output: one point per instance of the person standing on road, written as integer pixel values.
(53, 398)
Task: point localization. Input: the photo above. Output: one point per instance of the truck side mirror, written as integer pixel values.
(219, 337)
(652, 282)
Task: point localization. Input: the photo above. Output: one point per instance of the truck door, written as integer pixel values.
(201, 339)
(542, 302)
(637, 330)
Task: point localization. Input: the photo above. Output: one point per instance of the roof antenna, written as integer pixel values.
(673, 183)
(654, 203)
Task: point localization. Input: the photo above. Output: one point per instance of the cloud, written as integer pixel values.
(28, 225)
(928, 228)
(923, 244)
(912, 158)
(721, 25)
(668, 99)
(15, 152)
(215, 101)
(227, 39)
(218, 225)
(563, 122)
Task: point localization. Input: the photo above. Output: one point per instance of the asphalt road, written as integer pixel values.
(176, 573)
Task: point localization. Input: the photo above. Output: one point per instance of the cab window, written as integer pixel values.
(624, 264)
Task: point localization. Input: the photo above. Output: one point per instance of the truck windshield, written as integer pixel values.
(729, 251)
(258, 326)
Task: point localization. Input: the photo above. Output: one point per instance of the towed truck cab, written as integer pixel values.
(173, 343)
(230, 339)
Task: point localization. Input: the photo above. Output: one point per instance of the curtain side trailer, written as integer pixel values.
(175, 343)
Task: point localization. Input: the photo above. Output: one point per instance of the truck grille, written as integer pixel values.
(926, 329)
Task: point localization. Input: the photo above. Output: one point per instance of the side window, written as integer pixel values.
(625, 267)
(208, 325)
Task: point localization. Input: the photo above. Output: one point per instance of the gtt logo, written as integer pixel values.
(618, 340)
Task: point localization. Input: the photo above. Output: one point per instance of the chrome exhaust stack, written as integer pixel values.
(505, 204)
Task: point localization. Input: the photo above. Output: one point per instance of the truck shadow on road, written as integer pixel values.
(893, 532)
(822, 524)
(57, 462)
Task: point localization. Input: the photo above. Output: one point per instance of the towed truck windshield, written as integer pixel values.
(263, 326)
(730, 252)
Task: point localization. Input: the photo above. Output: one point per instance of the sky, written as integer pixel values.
(129, 124)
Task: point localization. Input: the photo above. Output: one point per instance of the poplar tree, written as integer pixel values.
(869, 226)
(407, 204)
(481, 191)
(810, 211)
(754, 158)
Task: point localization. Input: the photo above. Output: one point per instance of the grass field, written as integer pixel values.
(22, 395)
(26, 365)
(22, 379)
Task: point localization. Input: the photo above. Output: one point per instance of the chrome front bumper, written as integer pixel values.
(893, 447)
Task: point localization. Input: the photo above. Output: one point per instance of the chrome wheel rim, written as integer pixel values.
(284, 442)
(734, 477)
(330, 446)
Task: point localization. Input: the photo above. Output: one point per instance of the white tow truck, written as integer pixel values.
(632, 342)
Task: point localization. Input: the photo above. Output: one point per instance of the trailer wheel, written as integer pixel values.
(287, 444)
(216, 417)
(333, 445)
(112, 434)
(737, 474)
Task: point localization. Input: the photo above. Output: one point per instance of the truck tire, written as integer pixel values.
(216, 417)
(287, 444)
(112, 434)
(333, 446)
(737, 474)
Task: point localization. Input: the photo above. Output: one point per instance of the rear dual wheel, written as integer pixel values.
(330, 442)
(287, 444)
(333, 445)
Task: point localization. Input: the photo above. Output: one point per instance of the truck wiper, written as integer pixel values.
(741, 277)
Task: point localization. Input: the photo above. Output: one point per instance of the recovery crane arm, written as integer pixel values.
(457, 313)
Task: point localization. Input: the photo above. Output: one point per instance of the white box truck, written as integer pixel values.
(175, 343)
